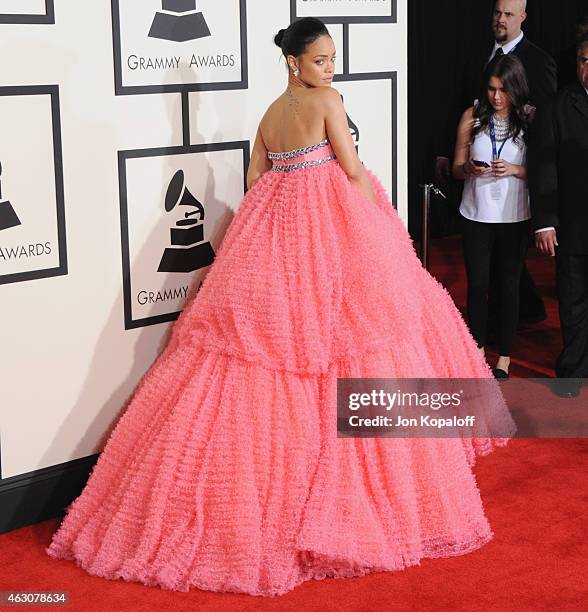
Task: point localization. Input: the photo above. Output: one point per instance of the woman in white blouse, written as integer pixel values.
(490, 156)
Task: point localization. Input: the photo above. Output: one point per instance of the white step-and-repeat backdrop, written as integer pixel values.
(113, 113)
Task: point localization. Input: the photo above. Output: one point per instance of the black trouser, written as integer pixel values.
(572, 292)
(508, 241)
(531, 306)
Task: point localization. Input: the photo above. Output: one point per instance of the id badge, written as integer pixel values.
(495, 190)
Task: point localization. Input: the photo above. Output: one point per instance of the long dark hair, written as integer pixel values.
(294, 39)
(510, 70)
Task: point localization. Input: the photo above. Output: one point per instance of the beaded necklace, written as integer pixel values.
(501, 127)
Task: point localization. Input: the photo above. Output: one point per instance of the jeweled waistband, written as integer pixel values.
(302, 164)
(296, 152)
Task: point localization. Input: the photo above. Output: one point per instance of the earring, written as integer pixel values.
(296, 72)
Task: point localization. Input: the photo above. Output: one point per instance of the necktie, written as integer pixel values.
(499, 53)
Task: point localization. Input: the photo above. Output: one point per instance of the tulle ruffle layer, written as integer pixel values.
(228, 476)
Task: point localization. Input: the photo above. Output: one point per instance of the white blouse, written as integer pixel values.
(493, 199)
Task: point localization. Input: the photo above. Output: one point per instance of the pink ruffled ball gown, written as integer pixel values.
(225, 472)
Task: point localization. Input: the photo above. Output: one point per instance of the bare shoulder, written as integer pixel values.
(326, 97)
(468, 114)
(467, 120)
(270, 110)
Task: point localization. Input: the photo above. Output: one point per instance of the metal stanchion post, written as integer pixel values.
(426, 228)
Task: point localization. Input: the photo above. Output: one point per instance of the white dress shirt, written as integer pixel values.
(508, 47)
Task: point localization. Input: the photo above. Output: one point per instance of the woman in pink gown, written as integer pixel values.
(225, 473)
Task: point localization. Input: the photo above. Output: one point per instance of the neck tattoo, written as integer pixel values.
(293, 101)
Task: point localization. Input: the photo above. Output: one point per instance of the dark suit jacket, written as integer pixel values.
(541, 72)
(558, 169)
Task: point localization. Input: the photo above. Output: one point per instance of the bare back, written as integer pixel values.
(302, 118)
(294, 120)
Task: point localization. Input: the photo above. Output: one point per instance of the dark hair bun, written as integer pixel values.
(279, 37)
(294, 39)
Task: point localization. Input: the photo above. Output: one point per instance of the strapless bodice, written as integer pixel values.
(296, 159)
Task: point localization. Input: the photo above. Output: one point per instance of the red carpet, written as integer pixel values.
(534, 493)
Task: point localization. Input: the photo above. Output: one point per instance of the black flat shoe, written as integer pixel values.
(500, 374)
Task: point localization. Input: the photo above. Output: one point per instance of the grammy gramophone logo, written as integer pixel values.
(8, 216)
(188, 250)
(180, 22)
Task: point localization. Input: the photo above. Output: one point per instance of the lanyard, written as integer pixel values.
(495, 155)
